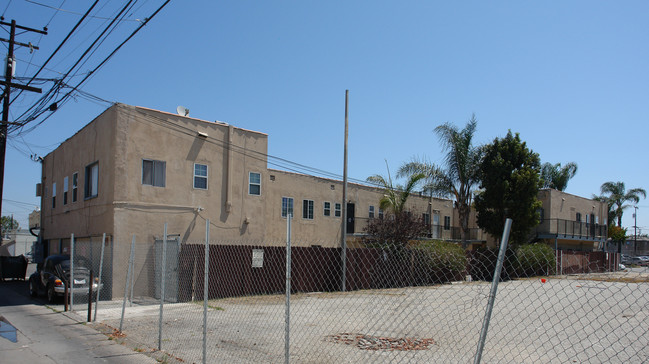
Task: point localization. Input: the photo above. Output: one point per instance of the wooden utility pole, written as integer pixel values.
(9, 71)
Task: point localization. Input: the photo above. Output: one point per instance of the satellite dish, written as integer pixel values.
(182, 111)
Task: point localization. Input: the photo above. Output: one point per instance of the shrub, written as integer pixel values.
(535, 260)
(438, 262)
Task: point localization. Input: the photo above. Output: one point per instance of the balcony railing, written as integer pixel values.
(571, 229)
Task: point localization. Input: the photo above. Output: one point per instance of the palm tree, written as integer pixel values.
(557, 177)
(616, 195)
(461, 174)
(395, 197)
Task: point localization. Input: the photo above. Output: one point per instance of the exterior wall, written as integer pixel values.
(324, 230)
(87, 216)
(230, 154)
(561, 205)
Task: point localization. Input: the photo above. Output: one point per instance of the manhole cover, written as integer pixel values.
(369, 342)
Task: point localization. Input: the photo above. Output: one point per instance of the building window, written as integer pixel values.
(153, 172)
(91, 188)
(447, 223)
(287, 206)
(200, 176)
(54, 195)
(337, 210)
(425, 217)
(371, 215)
(75, 185)
(254, 184)
(541, 212)
(307, 209)
(380, 213)
(327, 208)
(65, 190)
(578, 217)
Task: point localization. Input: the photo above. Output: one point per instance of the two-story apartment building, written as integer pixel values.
(132, 170)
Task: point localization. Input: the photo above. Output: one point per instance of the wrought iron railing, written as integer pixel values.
(573, 229)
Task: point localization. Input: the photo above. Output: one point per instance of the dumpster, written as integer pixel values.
(13, 267)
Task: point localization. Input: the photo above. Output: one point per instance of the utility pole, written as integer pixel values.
(635, 231)
(9, 71)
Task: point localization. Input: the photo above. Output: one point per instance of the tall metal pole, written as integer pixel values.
(163, 273)
(635, 232)
(287, 313)
(101, 269)
(206, 285)
(494, 290)
(71, 283)
(343, 227)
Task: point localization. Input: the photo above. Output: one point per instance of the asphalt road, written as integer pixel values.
(43, 335)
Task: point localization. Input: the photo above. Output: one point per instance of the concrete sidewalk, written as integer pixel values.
(44, 336)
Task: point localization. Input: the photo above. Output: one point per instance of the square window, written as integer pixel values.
(287, 206)
(338, 210)
(200, 176)
(307, 209)
(327, 208)
(254, 184)
(153, 172)
(91, 188)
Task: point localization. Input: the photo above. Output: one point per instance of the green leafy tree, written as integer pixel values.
(510, 183)
(557, 177)
(617, 235)
(8, 223)
(395, 197)
(460, 175)
(617, 196)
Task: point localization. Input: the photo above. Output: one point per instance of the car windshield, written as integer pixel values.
(79, 263)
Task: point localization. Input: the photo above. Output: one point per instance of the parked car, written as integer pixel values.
(51, 277)
(644, 261)
(626, 259)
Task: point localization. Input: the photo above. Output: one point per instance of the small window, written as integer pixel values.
(287, 206)
(380, 213)
(578, 217)
(91, 188)
(371, 215)
(54, 195)
(307, 209)
(75, 185)
(338, 210)
(200, 176)
(541, 212)
(447, 223)
(327, 208)
(254, 184)
(153, 172)
(65, 190)
(425, 217)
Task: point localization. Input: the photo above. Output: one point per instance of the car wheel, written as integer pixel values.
(51, 295)
(33, 291)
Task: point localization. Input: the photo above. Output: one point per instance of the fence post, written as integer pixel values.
(287, 315)
(71, 283)
(163, 273)
(494, 289)
(101, 267)
(206, 277)
(128, 278)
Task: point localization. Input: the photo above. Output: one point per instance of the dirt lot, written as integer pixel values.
(590, 318)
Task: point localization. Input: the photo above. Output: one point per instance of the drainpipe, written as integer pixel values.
(228, 178)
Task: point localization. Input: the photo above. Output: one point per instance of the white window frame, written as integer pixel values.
(251, 183)
(371, 212)
(338, 209)
(289, 209)
(326, 208)
(201, 177)
(307, 209)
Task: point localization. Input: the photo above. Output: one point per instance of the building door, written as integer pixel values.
(350, 218)
(171, 278)
(436, 226)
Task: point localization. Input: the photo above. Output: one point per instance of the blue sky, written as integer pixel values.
(570, 77)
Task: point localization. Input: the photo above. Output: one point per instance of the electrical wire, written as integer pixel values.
(75, 13)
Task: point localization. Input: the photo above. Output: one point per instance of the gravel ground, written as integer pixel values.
(595, 318)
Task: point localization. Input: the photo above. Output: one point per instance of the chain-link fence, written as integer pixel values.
(420, 303)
